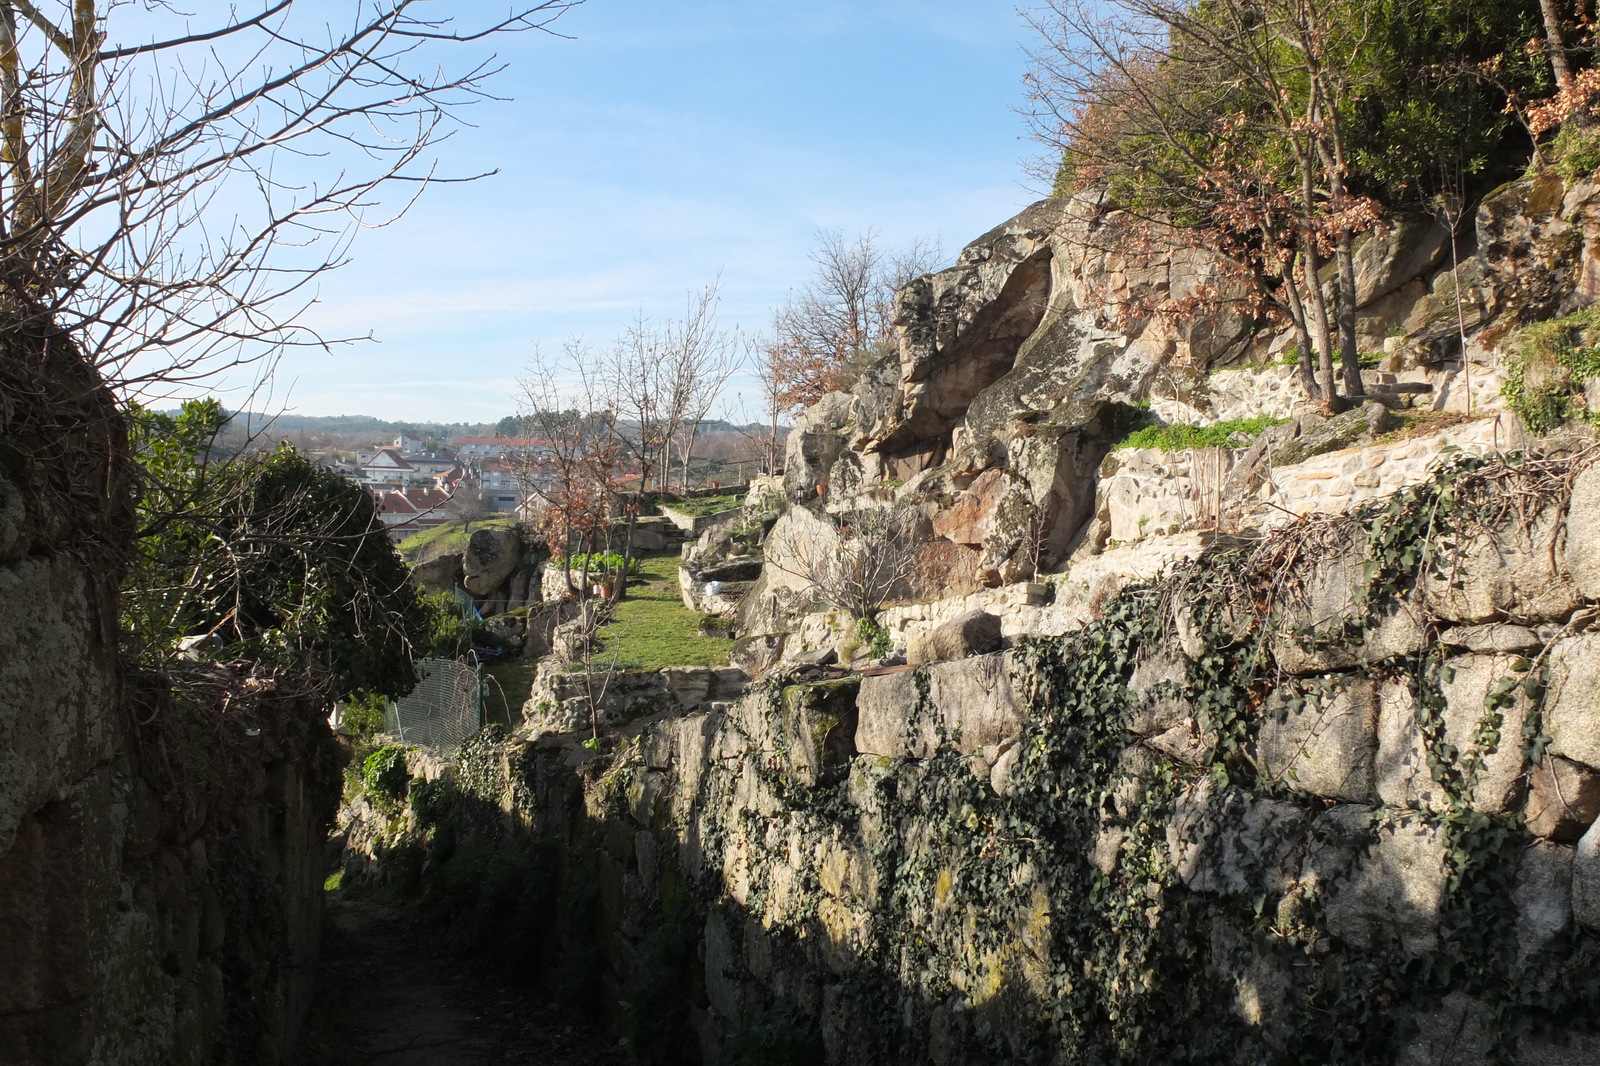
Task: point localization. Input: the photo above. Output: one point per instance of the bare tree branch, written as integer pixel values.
(170, 203)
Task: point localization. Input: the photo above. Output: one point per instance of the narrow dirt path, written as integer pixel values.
(390, 995)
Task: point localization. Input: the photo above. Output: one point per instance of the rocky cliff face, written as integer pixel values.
(160, 848)
(1025, 364)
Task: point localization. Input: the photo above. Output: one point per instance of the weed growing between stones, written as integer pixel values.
(1552, 366)
(384, 776)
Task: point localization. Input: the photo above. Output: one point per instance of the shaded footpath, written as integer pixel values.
(391, 994)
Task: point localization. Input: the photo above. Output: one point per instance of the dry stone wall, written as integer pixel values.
(1329, 797)
(161, 846)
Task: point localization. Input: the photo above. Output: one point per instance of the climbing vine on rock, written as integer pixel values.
(1143, 884)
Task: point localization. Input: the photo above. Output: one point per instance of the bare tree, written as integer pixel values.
(843, 316)
(700, 359)
(608, 416)
(469, 505)
(572, 471)
(169, 192)
(857, 569)
(655, 379)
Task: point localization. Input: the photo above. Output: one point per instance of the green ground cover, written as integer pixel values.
(1236, 433)
(445, 539)
(652, 629)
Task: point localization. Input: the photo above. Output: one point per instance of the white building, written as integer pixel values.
(469, 448)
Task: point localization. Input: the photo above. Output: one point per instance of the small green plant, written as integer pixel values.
(1177, 437)
(871, 633)
(1576, 151)
(384, 775)
(1549, 370)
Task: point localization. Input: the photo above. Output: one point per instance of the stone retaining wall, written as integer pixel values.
(1263, 811)
(161, 838)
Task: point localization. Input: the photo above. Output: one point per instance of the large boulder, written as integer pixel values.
(438, 575)
(1409, 247)
(823, 455)
(492, 555)
(971, 703)
(974, 633)
(890, 721)
(1537, 241)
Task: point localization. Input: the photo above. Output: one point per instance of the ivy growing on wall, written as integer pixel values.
(905, 911)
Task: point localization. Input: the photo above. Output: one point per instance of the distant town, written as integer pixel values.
(427, 474)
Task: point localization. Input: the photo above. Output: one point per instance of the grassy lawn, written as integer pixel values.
(704, 505)
(653, 629)
(445, 539)
(505, 689)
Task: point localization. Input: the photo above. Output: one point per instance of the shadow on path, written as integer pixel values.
(389, 994)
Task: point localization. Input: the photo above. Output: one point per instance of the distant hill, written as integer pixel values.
(363, 424)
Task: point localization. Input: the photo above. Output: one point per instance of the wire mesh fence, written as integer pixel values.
(444, 708)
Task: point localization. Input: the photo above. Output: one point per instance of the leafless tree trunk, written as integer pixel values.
(572, 474)
(842, 315)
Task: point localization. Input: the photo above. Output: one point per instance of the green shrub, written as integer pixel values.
(1576, 151)
(451, 630)
(1549, 369)
(363, 714)
(384, 775)
(872, 634)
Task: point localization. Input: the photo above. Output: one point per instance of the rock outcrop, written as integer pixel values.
(1021, 369)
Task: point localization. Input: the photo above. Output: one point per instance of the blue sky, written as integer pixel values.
(664, 145)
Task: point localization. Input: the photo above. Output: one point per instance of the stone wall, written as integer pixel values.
(160, 843)
(1326, 797)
